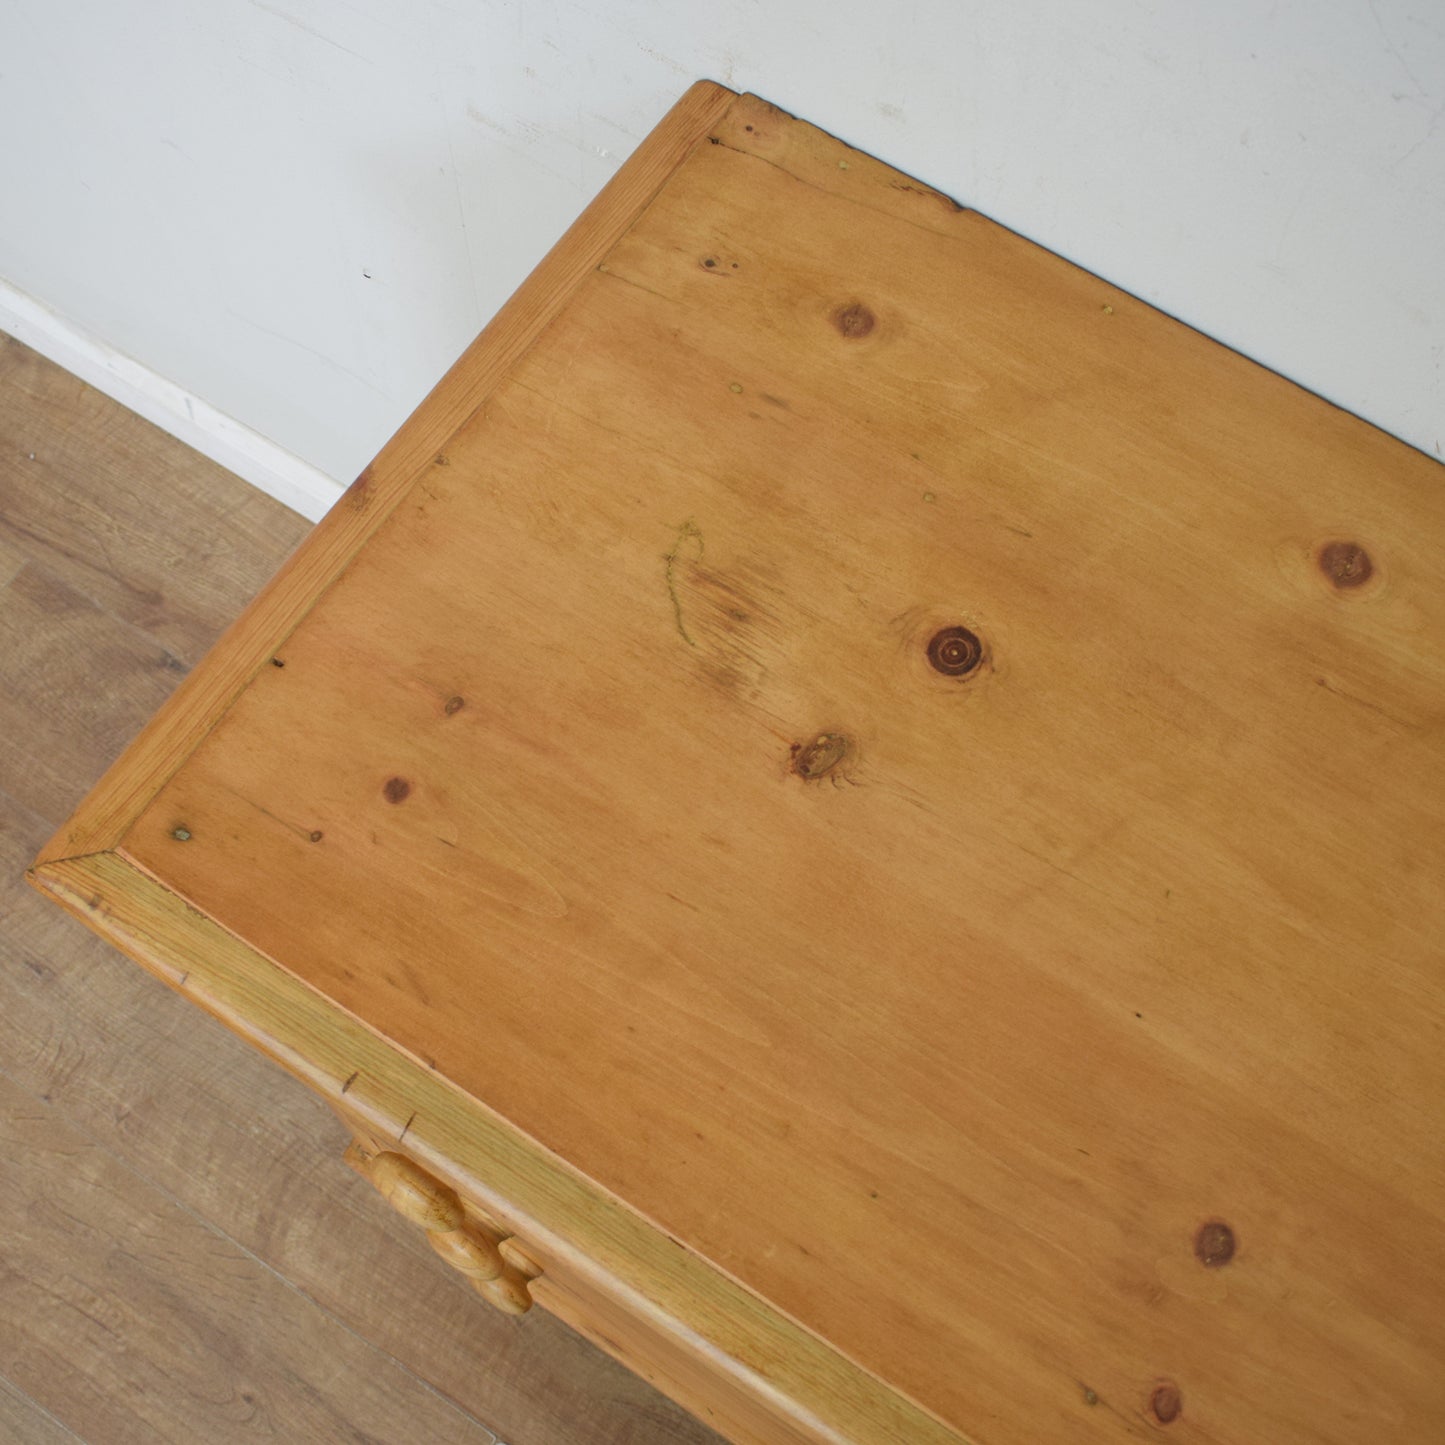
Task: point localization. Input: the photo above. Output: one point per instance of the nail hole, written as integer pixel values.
(454, 705)
(396, 790)
(181, 835)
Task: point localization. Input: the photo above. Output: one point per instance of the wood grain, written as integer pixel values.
(75, 685)
(87, 514)
(23, 1421)
(238, 1144)
(881, 802)
(88, 1242)
(249, 644)
(573, 1230)
(245, 1148)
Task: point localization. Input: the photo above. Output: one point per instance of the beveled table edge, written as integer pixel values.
(533, 1192)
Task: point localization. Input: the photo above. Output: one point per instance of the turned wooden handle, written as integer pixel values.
(414, 1194)
(425, 1201)
(508, 1292)
(473, 1256)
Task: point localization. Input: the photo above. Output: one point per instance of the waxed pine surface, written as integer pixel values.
(1060, 1039)
(186, 1257)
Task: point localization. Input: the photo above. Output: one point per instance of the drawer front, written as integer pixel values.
(678, 1367)
(720, 1349)
(510, 1274)
(472, 1247)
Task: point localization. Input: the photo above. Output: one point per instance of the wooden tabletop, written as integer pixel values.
(910, 769)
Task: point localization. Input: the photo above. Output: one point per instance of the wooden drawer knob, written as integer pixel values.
(415, 1195)
(508, 1293)
(464, 1250)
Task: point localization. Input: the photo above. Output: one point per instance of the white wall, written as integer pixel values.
(302, 210)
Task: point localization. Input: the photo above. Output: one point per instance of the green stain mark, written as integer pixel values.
(688, 532)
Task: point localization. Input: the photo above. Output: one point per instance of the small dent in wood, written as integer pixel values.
(1214, 1244)
(1346, 565)
(854, 320)
(278, 662)
(316, 835)
(396, 790)
(454, 705)
(358, 494)
(1166, 1402)
(821, 756)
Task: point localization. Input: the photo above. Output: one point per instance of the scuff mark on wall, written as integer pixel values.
(309, 30)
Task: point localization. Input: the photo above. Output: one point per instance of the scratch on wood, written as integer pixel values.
(1057, 867)
(689, 531)
(953, 205)
(1395, 718)
(274, 817)
(351, 1081)
(928, 194)
(409, 1123)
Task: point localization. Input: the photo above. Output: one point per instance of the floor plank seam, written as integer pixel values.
(250, 1254)
(50, 1414)
(182, 665)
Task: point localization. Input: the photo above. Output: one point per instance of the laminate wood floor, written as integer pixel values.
(183, 1256)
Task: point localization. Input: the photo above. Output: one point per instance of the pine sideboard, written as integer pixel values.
(861, 815)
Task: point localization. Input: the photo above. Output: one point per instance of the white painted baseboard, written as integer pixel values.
(279, 473)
